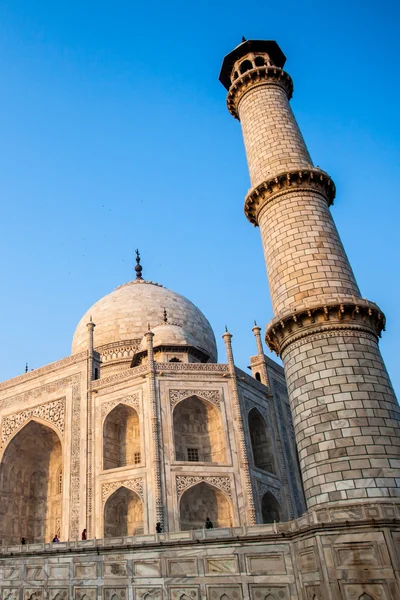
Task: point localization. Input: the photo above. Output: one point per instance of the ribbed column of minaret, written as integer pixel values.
(155, 431)
(345, 413)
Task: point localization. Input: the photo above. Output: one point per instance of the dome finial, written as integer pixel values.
(243, 39)
(165, 316)
(138, 267)
(26, 368)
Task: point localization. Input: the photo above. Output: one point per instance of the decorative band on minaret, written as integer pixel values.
(345, 413)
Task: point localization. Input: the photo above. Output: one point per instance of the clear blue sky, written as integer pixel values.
(114, 135)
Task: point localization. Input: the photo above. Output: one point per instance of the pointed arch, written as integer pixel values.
(35, 419)
(270, 508)
(123, 513)
(28, 496)
(198, 433)
(260, 438)
(121, 437)
(203, 500)
(365, 596)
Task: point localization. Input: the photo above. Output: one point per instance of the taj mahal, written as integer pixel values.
(143, 432)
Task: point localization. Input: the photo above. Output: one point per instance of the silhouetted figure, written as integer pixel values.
(84, 534)
(55, 539)
(158, 527)
(23, 541)
(208, 524)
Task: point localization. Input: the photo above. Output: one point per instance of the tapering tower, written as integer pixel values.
(345, 413)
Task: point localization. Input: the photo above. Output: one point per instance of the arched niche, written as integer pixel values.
(123, 514)
(198, 431)
(270, 508)
(30, 498)
(260, 442)
(201, 501)
(121, 438)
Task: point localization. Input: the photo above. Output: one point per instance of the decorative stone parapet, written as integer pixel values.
(346, 313)
(305, 179)
(359, 515)
(258, 76)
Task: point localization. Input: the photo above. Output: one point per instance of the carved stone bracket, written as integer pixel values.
(137, 485)
(257, 76)
(213, 396)
(132, 400)
(302, 179)
(343, 314)
(54, 412)
(183, 482)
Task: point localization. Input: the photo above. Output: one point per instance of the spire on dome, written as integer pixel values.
(165, 316)
(138, 267)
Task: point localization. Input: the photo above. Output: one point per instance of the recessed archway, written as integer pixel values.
(30, 495)
(123, 514)
(201, 501)
(198, 432)
(121, 438)
(270, 508)
(260, 442)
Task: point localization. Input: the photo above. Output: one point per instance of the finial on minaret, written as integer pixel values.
(243, 39)
(138, 267)
(26, 368)
(165, 316)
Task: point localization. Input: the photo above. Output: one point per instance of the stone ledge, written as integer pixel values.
(359, 515)
(311, 179)
(257, 76)
(343, 314)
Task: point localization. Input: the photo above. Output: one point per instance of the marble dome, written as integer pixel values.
(170, 334)
(126, 312)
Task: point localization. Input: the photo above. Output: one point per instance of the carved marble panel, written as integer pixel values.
(313, 592)
(85, 570)
(34, 573)
(147, 568)
(10, 593)
(9, 572)
(85, 593)
(230, 592)
(356, 554)
(147, 593)
(269, 592)
(178, 567)
(355, 591)
(272, 563)
(113, 593)
(116, 569)
(221, 564)
(58, 594)
(183, 593)
(33, 594)
(307, 560)
(59, 571)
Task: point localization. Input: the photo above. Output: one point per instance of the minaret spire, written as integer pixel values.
(138, 267)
